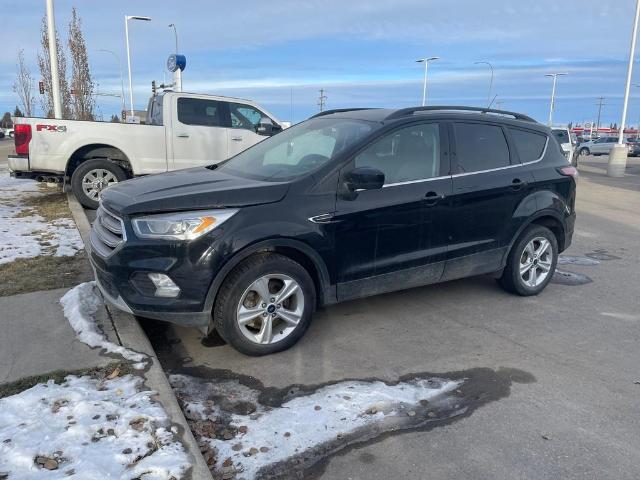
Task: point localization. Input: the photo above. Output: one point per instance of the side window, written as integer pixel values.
(529, 145)
(245, 116)
(196, 111)
(480, 147)
(411, 153)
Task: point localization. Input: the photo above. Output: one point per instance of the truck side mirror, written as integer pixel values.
(265, 127)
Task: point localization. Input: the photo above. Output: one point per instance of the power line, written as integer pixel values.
(600, 105)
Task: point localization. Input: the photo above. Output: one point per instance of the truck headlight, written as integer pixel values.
(181, 225)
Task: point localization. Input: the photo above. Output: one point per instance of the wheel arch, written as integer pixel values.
(98, 150)
(547, 218)
(294, 249)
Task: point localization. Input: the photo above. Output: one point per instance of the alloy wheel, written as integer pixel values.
(96, 180)
(270, 309)
(536, 261)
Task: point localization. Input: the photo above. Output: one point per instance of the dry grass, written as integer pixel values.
(51, 205)
(43, 273)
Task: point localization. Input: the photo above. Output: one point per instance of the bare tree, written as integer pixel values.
(45, 71)
(83, 101)
(115, 119)
(23, 85)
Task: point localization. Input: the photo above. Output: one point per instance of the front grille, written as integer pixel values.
(107, 233)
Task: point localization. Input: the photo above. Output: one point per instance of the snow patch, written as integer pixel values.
(256, 437)
(91, 429)
(30, 236)
(80, 305)
(582, 261)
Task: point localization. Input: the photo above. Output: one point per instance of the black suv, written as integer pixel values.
(347, 204)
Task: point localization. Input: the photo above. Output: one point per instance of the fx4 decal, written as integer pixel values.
(51, 128)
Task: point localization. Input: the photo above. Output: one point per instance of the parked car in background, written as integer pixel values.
(347, 204)
(601, 146)
(182, 130)
(1, 134)
(8, 132)
(564, 137)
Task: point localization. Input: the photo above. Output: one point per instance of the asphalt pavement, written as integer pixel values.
(560, 384)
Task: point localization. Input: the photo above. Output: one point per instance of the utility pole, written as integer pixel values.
(600, 105)
(53, 58)
(322, 100)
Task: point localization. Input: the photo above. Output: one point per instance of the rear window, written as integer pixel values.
(480, 147)
(529, 145)
(197, 111)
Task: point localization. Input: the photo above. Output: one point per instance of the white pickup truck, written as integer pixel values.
(182, 130)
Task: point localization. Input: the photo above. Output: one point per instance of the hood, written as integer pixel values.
(190, 189)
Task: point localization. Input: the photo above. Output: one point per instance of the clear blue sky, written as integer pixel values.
(361, 52)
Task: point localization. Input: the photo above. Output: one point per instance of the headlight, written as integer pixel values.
(181, 225)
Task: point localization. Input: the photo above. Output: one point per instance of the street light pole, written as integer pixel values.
(126, 33)
(121, 76)
(618, 155)
(53, 61)
(490, 81)
(426, 67)
(175, 34)
(552, 105)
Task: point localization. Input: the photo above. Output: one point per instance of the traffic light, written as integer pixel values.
(41, 87)
(153, 87)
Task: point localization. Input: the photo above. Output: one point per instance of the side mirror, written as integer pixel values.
(365, 178)
(265, 127)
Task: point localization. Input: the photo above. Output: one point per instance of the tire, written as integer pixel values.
(111, 174)
(512, 280)
(584, 151)
(237, 296)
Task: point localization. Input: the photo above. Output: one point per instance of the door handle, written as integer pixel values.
(431, 198)
(517, 184)
(236, 139)
(183, 135)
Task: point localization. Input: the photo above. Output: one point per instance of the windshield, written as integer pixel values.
(562, 136)
(298, 149)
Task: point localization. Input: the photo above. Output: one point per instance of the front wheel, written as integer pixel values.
(531, 262)
(92, 177)
(584, 152)
(265, 304)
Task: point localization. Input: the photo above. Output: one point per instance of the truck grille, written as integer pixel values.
(107, 232)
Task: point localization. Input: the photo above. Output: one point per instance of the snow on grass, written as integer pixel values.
(80, 305)
(27, 236)
(315, 424)
(88, 429)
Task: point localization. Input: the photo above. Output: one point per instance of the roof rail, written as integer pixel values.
(338, 110)
(410, 111)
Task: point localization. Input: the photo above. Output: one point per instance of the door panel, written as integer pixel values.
(244, 121)
(394, 237)
(199, 135)
(483, 202)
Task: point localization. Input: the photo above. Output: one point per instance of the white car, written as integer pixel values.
(8, 132)
(563, 135)
(182, 130)
(600, 146)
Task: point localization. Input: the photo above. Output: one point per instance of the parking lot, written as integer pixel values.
(551, 382)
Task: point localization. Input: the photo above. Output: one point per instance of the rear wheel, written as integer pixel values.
(265, 304)
(531, 262)
(92, 177)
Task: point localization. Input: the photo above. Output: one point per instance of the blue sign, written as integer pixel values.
(176, 62)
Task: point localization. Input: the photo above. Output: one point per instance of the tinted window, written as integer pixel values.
(411, 153)
(562, 135)
(529, 145)
(196, 111)
(480, 147)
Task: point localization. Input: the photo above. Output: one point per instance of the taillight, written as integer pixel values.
(568, 171)
(22, 137)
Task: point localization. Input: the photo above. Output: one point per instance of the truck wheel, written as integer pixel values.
(92, 177)
(531, 262)
(265, 304)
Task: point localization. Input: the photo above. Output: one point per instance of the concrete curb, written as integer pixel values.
(132, 336)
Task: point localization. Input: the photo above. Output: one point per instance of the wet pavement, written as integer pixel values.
(550, 382)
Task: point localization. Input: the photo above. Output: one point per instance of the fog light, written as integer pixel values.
(164, 285)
